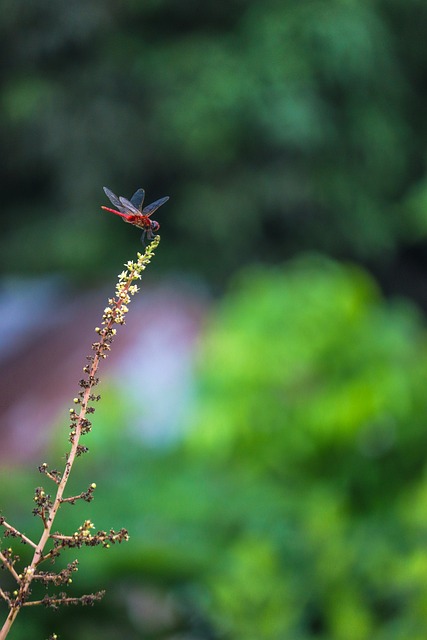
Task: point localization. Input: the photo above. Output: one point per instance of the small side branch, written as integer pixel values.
(63, 599)
(9, 565)
(87, 495)
(14, 533)
(54, 475)
(83, 538)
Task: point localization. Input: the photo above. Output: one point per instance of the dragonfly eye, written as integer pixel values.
(154, 225)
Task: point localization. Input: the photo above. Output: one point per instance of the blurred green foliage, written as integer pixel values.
(294, 508)
(275, 126)
(313, 398)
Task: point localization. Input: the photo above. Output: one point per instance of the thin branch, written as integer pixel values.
(17, 534)
(48, 601)
(55, 479)
(9, 566)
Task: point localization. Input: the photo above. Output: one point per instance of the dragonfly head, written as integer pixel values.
(154, 226)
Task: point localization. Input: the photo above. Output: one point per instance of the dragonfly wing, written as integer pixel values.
(151, 208)
(129, 207)
(113, 199)
(138, 198)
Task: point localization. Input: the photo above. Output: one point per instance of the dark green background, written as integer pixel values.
(273, 126)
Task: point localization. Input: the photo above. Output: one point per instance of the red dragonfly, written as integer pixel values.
(131, 211)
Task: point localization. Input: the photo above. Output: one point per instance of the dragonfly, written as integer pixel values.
(131, 211)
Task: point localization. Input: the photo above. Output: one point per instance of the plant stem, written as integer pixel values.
(112, 315)
(38, 553)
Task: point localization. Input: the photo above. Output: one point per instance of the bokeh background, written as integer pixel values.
(263, 428)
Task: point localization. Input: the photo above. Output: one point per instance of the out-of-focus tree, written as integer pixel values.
(275, 126)
(313, 412)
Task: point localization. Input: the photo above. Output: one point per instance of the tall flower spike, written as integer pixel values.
(46, 505)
